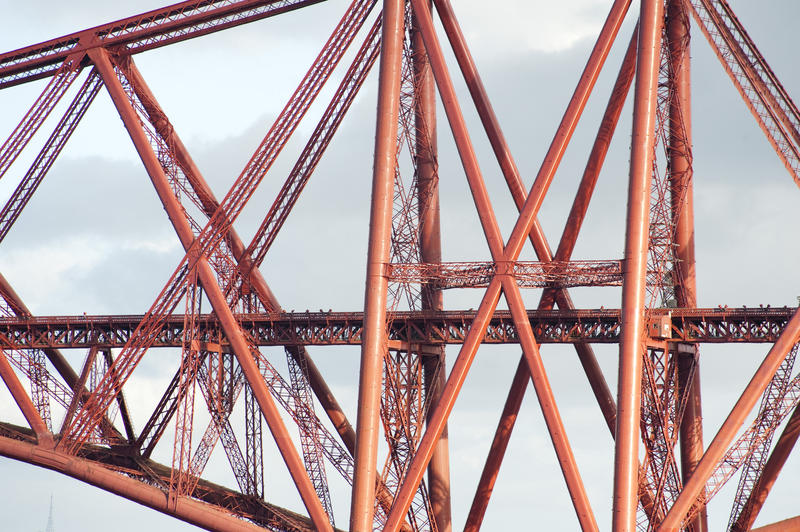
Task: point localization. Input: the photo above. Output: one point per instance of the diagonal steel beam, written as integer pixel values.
(629, 382)
(210, 204)
(458, 127)
(568, 238)
(65, 73)
(21, 397)
(233, 331)
(555, 426)
(512, 249)
(48, 154)
(718, 446)
(153, 29)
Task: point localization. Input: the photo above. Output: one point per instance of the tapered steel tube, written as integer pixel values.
(680, 151)
(547, 401)
(378, 254)
(430, 246)
(179, 221)
(691, 430)
(772, 468)
(726, 433)
(626, 456)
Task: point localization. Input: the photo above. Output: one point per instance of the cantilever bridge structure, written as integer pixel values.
(218, 315)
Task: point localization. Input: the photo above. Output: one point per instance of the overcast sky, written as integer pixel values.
(95, 239)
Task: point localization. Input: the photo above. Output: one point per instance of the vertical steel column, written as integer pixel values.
(680, 168)
(431, 252)
(626, 456)
(691, 430)
(380, 228)
(680, 145)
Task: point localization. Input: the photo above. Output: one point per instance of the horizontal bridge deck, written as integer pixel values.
(706, 325)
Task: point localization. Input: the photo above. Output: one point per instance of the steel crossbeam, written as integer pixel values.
(730, 325)
(444, 275)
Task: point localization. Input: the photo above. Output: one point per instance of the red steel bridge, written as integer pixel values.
(666, 470)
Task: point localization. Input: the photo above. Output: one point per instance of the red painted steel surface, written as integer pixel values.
(626, 471)
(718, 325)
(160, 27)
(376, 285)
(406, 394)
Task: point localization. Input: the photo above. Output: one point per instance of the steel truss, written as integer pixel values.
(437, 327)
(405, 392)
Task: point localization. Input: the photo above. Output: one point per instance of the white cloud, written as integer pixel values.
(51, 266)
(520, 26)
